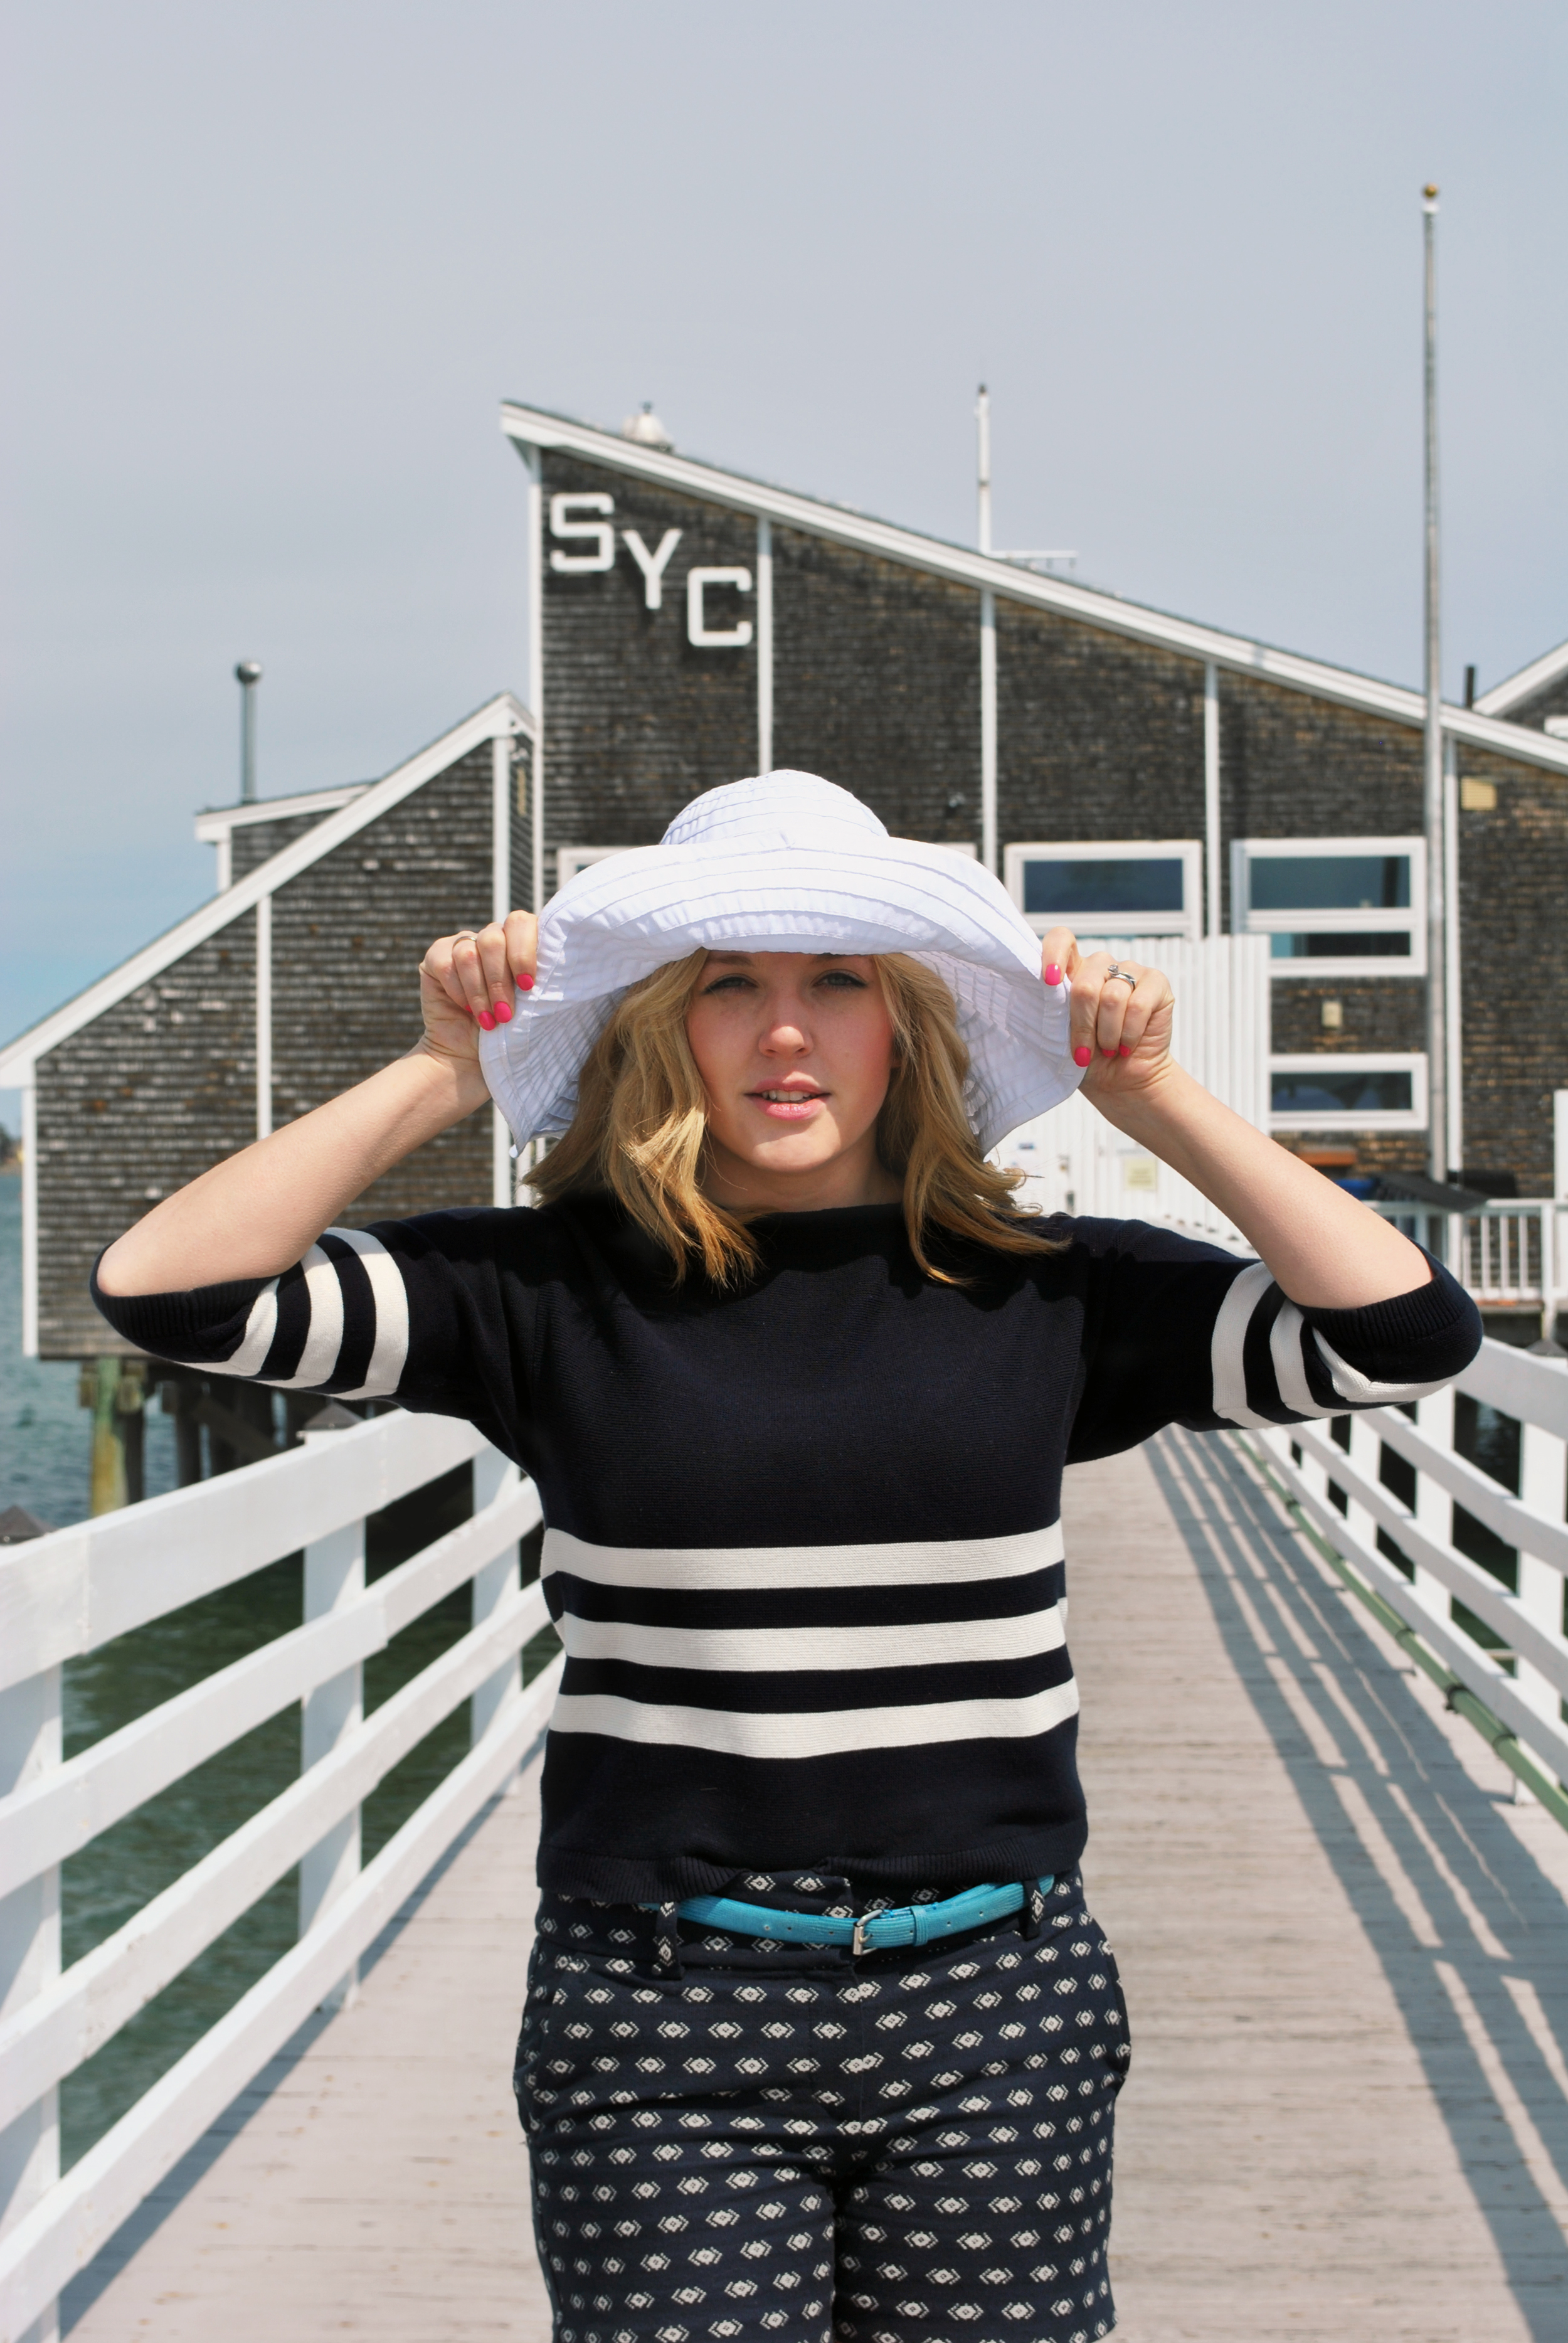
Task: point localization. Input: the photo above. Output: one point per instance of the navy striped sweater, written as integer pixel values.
(803, 1542)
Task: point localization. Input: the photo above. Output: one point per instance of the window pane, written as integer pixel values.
(1330, 882)
(1391, 944)
(1075, 890)
(1349, 1091)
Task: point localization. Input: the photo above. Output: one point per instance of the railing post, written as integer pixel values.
(497, 1582)
(1433, 1506)
(30, 1744)
(1544, 1487)
(1364, 1454)
(334, 1575)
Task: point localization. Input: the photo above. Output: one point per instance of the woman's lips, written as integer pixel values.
(794, 1106)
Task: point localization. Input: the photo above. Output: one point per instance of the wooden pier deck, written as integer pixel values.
(1344, 1946)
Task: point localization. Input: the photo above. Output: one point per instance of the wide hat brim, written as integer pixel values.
(619, 920)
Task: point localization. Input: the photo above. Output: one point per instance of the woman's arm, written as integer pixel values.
(256, 1214)
(1325, 1249)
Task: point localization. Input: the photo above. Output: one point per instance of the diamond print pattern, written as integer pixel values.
(809, 2198)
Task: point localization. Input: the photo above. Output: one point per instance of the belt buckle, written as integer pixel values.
(857, 1944)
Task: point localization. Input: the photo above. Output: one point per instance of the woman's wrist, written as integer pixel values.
(454, 1082)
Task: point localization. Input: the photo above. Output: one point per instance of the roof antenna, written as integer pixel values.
(982, 433)
(247, 675)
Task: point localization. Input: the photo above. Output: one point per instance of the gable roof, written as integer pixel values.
(1507, 695)
(532, 428)
(501, 718)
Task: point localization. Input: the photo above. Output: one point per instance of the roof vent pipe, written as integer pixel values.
(247, 675)
(646, 429)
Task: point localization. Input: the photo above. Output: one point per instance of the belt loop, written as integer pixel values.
(666, 1940)
(1032, 1919)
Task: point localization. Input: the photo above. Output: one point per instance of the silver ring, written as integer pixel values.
(1124, 973)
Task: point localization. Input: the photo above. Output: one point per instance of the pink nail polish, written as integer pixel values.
(1081, 1055)
(503, 1015)
(1052, 973)
(525, 984)
(1108, 1053)
(486, 1020)
(1124, 1051)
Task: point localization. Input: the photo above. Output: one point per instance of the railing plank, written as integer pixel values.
(77, 1588)
(1475, 1587)
(50, 2035)
(1535, 1389)
(1517, 1524)
(1542, 1735)
(39, 2258)
(56, 1815)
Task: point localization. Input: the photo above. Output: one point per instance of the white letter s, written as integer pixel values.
(562, 523)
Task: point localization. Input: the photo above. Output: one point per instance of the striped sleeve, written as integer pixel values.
(408, 1311)
(1179, 1332)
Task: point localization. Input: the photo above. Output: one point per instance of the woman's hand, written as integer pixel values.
(472, 980)
(1326, 1250)
(1121, 1031)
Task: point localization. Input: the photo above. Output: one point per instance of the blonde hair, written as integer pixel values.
(641, 1129)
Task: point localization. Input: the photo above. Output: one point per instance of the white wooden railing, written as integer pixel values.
(73, 1591)
(1510, 1255)
(1528, 1624)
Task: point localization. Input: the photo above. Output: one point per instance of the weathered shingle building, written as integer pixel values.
(1132, 772)
(294, 981)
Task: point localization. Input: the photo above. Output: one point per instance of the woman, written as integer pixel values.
(819, 2034)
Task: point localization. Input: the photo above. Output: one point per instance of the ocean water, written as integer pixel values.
(43, 1465)
(45, 1438)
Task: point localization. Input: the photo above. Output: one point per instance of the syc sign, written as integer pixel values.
(584, 522)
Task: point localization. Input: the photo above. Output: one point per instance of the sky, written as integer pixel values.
(269, 272)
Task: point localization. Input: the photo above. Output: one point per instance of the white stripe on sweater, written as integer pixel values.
(815, 1732)
(923, 1562)
(260, 1327)
(389, 1301)
(1360, 1391)
(324, 1331)
(926, 1643)
(1228, 1347)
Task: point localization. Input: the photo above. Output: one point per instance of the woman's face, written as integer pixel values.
(795, 1050)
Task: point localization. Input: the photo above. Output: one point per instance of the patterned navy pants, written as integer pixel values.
(789, 2145)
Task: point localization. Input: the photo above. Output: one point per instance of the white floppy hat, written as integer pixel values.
(786, 862)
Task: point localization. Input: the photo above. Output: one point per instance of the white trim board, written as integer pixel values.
(532, 428)
(504, 714)
(214, 823)
(1188, 851)
(1353, 1061)
(1525, 684)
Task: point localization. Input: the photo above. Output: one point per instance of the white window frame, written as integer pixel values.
(1356, 1061)
(1188, 851)
(570, 859)
(1412, 921)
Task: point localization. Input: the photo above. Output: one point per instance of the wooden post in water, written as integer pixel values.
(116, 1391)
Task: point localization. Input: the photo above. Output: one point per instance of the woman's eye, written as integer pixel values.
(727, 984)
(842, 980)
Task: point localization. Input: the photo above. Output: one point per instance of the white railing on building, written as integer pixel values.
(72, 1591)
(1511, 1254)
(1345, 1493)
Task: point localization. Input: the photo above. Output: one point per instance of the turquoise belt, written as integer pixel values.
(873, 1932)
